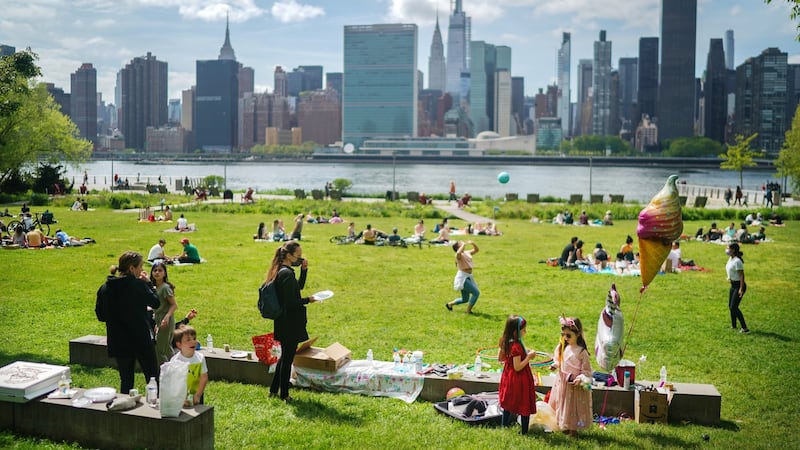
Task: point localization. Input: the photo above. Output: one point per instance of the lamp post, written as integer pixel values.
(590, 178)
(394, 174)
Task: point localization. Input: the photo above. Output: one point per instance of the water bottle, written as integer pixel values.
(210, 343)
(627, 382)
(663, 380)
(369, 356)
(396, 359)
(63, 384)
(404, 367)
(478, 364)
(152, 393)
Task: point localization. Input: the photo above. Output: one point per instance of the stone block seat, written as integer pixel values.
(697, 403)
(93, 426)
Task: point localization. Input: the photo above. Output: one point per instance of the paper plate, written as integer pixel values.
(323, 295)
(239, 354)
(101, 394)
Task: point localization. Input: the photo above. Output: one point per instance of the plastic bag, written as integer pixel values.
(268, 350)
(545, 416)
(172, 388)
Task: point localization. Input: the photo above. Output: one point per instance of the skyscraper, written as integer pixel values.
(483, 64)
(380, 89)
(628, 91)
(437, 71)
(584, 105)
(714, 96)
(762, 100)
(564, 84)
(458, 48)
(246, 80)
(143, 97)
(729, 61)
(83, 101)
(63, 99)
(281, 89)
(217, 100)
(518, 111)
(676, 97)
(333, 80)
(601, 87)
(648, 77)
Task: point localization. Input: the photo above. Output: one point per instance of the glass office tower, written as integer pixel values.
(380, 82)
(676, 97)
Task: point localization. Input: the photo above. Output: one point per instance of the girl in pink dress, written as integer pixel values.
(517, 393)
(570, 398)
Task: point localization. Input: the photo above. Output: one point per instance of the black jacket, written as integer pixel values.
(122, 304)
(290, 328)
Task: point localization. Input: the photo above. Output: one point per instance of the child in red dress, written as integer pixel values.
(517, 387)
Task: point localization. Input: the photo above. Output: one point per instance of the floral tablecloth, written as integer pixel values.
(376, 378)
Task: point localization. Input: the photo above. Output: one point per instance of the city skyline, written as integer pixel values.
(291, 33)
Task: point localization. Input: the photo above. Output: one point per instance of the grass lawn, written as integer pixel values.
(394, 297)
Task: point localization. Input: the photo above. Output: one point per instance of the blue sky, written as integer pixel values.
(264, 34)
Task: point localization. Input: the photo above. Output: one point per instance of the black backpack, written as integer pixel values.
(268, 303)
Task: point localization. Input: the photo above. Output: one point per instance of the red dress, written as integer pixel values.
(517, 388)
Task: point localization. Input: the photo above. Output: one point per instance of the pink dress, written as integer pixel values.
(572, 403)
(517, 393)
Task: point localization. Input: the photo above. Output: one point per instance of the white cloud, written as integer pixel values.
(290, 11)
(179, 81)
(736, 10)
(207, 10)
(794, 59)
(639, 14)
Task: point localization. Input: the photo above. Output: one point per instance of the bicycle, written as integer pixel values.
(342, 240)
(29, 224)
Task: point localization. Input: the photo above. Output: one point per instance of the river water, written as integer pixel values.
(479, 180)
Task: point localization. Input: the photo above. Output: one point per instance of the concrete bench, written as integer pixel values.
(93, 426)
(533, 198)
(92, 351)
(697, 403)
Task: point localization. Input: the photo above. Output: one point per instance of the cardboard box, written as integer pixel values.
(651, 407)
(22, 381)
(329, 359)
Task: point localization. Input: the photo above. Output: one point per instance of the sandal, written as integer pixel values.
(447, 305)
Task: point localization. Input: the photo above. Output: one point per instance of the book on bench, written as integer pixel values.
(21, 381)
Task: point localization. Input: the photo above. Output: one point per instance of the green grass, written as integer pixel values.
(394, 297)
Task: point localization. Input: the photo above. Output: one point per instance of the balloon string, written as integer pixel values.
(633, 321)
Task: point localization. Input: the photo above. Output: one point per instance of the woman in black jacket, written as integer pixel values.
(290, 327)
(122, 303)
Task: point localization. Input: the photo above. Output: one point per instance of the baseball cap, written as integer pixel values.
(184, 241)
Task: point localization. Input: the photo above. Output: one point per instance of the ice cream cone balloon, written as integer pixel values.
(660, 223)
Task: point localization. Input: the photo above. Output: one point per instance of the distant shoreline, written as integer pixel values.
(599, 161)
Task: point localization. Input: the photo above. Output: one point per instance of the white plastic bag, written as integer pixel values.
(172, 389)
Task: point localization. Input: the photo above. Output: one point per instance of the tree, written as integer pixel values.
(693, 146)
(794, 14)
(32, 128)
(788, 161)
(739, 155)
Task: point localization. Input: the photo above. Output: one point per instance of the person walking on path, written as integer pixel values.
(735, 271)
(464, 281)
(452, 191)
(738, 200)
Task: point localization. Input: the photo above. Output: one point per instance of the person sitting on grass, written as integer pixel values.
(37, 239)
(19, 238)
(197, 379)
(157, 252)
(190, 253)
(371, 235)
(394, 239)
(759, 236)
(743, 235)
(182, 224)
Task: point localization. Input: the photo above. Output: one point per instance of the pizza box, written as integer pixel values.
(329, 359)
(21, 381)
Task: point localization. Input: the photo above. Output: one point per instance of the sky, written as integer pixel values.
(290, 33)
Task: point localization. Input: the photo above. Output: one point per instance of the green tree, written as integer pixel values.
(693, 147)
(788, 162)
(794, 14)
(32, 128)
(738, 156)
(342, 184)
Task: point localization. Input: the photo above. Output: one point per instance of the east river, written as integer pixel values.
(636, 183)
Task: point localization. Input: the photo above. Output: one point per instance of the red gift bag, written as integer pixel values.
(268, 350)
